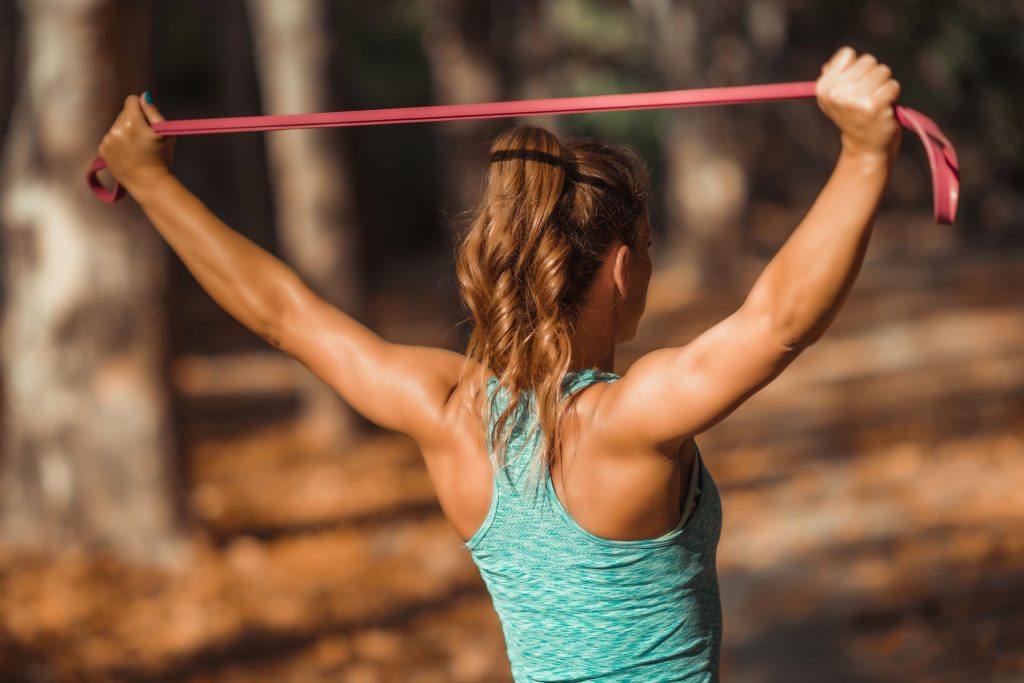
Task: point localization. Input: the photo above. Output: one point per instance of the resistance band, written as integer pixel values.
(942, 158)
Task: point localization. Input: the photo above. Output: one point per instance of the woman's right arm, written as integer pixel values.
(681, 391)
(809, 278)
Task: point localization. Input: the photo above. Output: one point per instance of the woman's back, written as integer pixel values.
(580, 607)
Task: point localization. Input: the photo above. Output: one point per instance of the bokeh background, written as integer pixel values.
(180, 502)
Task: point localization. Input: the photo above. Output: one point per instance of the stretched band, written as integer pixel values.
(942, 159)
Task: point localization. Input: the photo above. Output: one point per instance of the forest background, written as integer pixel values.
(181, 502)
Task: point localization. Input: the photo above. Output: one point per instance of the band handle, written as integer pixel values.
(102, 193)
(942, 162)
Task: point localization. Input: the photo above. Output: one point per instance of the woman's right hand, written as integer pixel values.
(858, 94)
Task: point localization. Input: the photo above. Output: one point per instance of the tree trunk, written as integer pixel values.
(533, 69)
(465, 69)
(8, 29)
(316, 225)
(87, 441)
(707, 192)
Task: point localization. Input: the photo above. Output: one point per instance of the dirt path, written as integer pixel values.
(874, 520)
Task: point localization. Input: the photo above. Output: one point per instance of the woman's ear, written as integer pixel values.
(620, 269)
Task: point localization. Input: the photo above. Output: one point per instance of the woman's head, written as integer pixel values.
(554, 263)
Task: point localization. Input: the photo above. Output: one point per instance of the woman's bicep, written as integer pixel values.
(682, 391)
(396, 386)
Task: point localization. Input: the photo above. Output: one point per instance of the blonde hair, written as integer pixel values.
(549, 211)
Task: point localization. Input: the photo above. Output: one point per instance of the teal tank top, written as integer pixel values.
(576, 607)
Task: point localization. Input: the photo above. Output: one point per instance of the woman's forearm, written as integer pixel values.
(807, 281)
(245, 280)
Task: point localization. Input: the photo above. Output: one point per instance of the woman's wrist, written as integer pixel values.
(145, 184)
(868, 159)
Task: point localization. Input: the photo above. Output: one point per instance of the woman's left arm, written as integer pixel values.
(404, 388)
(244, 279)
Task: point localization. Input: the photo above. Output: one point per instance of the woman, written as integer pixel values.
(585, 501)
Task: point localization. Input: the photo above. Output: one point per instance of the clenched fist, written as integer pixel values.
(858, 94)
(134, 152)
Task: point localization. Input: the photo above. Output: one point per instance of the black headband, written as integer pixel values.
(567, 166)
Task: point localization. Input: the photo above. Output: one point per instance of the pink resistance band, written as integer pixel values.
(942, 158)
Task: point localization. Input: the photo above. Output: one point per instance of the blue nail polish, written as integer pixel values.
(148, 97)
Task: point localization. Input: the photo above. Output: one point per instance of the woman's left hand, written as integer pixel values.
(136, 154)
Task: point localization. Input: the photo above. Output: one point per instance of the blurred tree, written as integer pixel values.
(462, 45)
(87, 438)
(236, 90)
(316, 225)
(8, 17)
(528, 46)
(698, 45)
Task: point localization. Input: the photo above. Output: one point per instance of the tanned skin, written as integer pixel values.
(661, 402)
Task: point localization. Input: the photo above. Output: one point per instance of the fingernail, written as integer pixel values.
(148, 97)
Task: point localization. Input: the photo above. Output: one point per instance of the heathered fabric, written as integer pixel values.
(577, 607)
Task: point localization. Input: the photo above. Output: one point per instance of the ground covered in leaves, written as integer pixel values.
(873, 514)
